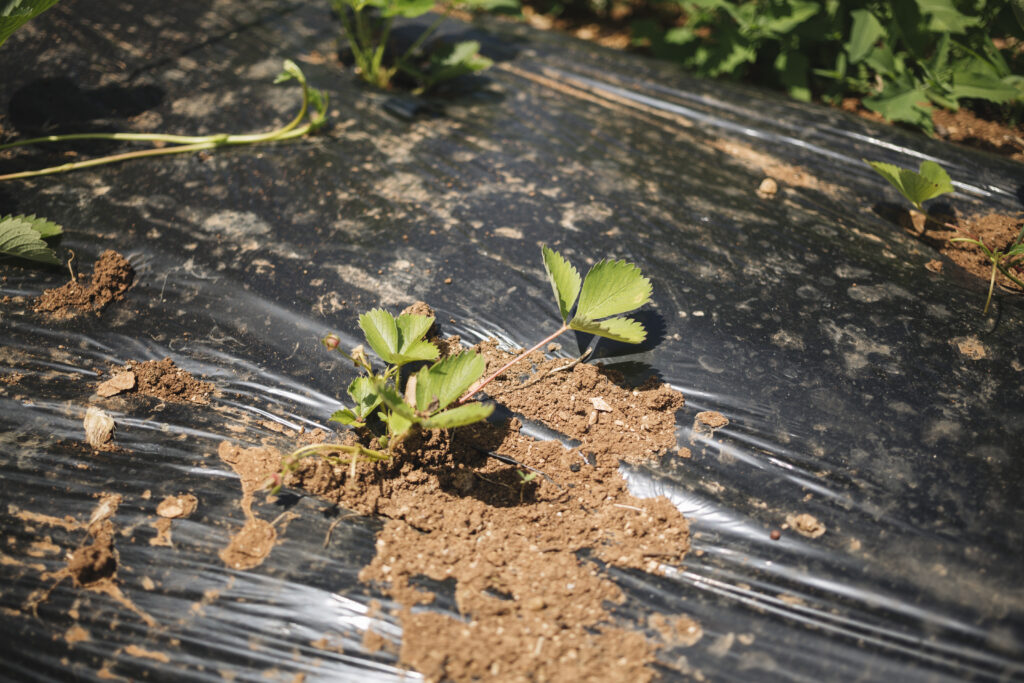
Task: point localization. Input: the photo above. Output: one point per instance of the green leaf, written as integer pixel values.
(944, 17)
(21, 237)
(446, 380)
(363, 391)
(610, 288)
(865, 31)
(917, 187)
(619, 329)
(792, 68)
(398, 341)
(985, 87)
(397, 423)
(460, 416)
(14, 13)
(406, 8)
(346, 417)
(564, 278)
(289, 71)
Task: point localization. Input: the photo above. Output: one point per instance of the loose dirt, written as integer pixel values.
(111, 277)
(525, 545)
(160, 379)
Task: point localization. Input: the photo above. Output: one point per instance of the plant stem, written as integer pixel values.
(287, 132)
(991, 285)
(426, 34)
(480, 384)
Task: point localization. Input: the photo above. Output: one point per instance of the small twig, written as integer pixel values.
(330, 529)
(627, 507)
(571, 365)
(74, 278)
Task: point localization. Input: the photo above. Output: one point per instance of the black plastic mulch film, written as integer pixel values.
(809, 320)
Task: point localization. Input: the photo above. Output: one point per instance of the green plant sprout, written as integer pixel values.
(368, 25)
(311, 116)
(609, 289)
(22, 237)
(426, 399)
(436, 396)
(14, 13)
(1002, 261)
(929, 182)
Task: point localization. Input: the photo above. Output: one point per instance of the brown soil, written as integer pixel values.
(525, 545)
(111, 277)
(253, 542)
(997, 231)
(160, 379)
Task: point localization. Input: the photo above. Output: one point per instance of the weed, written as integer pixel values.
(311, 116)
(1001, 261)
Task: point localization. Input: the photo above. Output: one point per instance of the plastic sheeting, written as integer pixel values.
(809, 320)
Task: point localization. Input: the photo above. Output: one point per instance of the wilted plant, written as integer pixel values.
(312, 115)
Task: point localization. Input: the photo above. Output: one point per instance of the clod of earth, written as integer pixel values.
(111, 277)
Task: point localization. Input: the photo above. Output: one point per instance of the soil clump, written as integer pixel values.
(160, 379)
(112, 276)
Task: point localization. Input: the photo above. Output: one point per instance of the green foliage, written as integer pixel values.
(929, 182)
(22, 237)
(398, 340)
(901, 57)
(14, 13)
(368, 24)
(610, 288)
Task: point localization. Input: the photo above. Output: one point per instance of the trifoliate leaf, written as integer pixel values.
(610, 288)
(460, 416)
(398, 341)
(364, 393)
(618, 329)
(565, 280)
(346, 417)
(917, 187)
(14, 13)
(21, 236)
(445, 381)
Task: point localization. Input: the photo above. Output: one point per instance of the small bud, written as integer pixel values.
(331, 341)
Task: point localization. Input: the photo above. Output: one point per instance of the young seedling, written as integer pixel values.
(311, 117)
(524, 479)
(609, 289)
(22, 237)
(368, 24)
(425, 399)
(917, 187)
(1001, 261)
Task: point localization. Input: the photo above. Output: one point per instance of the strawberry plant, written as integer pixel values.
(929, 182)
(312, 115)
(382, 408)
(932, 181)
(900, 57)
(438, 395)
(368, 28)
(14, 13)
(22, 237)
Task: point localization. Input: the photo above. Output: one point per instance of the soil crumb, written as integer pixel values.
(590, 403)
(111, 277)
(160, 379)
(806, 525)
(253, 543)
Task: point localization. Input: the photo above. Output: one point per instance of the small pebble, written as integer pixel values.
(776, 534)
(575, 467)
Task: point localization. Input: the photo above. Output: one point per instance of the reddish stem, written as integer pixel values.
(481, 383)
